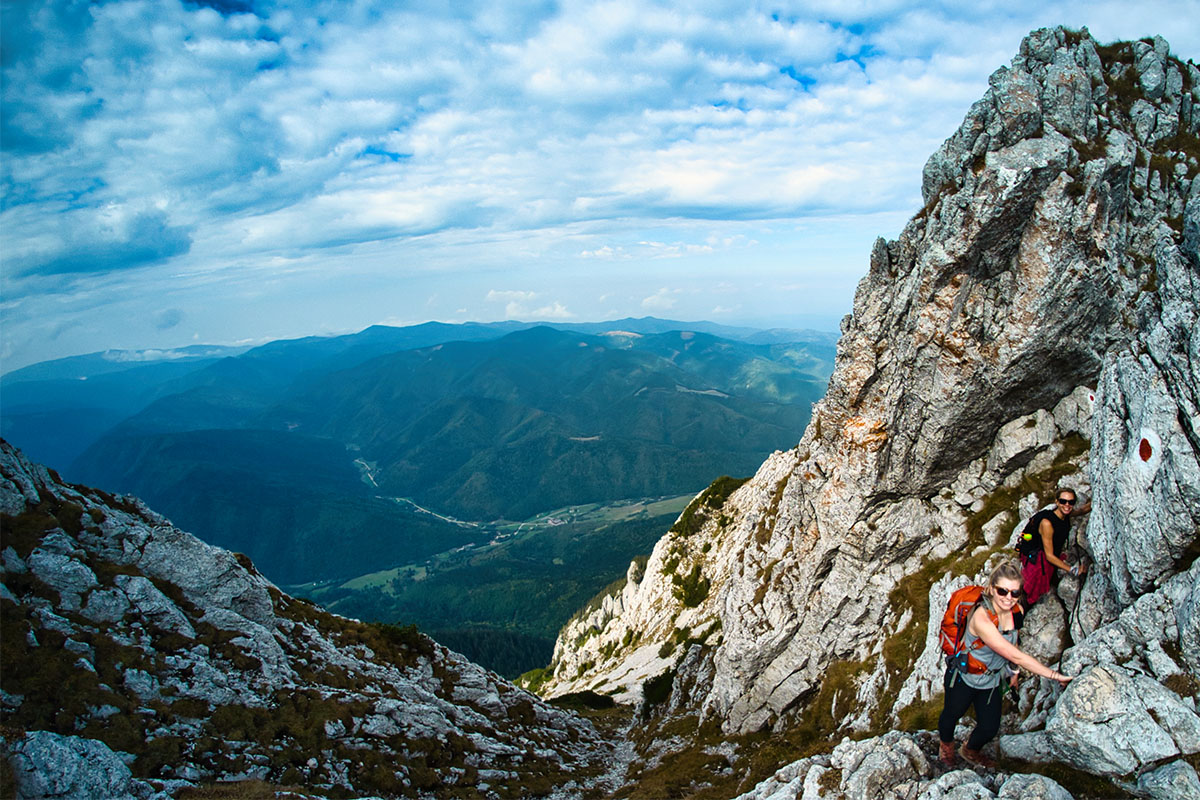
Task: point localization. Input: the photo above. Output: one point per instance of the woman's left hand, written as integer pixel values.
(1013, 680)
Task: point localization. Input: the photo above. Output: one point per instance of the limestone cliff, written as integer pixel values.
(1035, 324)
(139, 662)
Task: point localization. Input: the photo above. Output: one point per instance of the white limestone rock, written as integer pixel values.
(65, 574)
(874, 768)
(1110, 721)
(1032, 787)
(154, 605)
(787, 783)
(961, 784)
(1044, 633)
(49, 765)
(105, 605)
(1174, 781)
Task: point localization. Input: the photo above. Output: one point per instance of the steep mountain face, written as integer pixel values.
(1034, 325)
(139, 661)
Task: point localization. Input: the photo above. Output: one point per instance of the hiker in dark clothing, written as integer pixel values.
(1043, 544)
(999, 657)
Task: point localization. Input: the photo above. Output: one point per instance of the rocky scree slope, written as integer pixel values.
(1034, 325)
(139, 661)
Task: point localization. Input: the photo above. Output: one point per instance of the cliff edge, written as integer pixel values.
(1034, 325)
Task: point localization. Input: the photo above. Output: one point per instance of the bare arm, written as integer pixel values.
(1083, 509)
(1047, 532)
(982, 626)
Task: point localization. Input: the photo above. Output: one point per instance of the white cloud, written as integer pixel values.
(662, 300)
(521, 305)
(555, 310)
(151, 148)
(508, 296)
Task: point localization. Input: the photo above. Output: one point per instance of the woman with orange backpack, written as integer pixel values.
(982, 652)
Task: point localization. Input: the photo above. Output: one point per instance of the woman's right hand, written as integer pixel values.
(1063, 680)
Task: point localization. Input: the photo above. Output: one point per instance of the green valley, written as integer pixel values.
(474, 479)
(502, 602)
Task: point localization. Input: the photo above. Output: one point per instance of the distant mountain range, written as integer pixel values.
(296, 452)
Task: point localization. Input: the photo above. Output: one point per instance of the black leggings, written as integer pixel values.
(958, 698)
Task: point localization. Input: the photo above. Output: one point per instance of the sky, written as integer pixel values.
(235, 172)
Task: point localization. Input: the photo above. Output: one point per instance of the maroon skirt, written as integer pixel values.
(1035, 577)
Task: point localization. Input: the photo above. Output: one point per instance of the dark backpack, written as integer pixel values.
(1029, 545)
(1029, 540)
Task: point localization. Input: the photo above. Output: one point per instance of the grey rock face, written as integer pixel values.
(1032, 787)
(64, 574)
(1174, 781)
(1146, 440)
(48, 765)
(1045, 633)
(154, 605)
(1110, 721)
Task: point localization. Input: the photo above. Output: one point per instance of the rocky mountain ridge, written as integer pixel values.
(1034, 325)
(139, 662)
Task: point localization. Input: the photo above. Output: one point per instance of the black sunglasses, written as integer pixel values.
(1065, 502)
(1002, 592)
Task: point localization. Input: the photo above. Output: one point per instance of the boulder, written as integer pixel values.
(49, 765)
(1032, 787)
(960, 784)
(68, 576)
(1174, 781)
(874, 768)
(1111, 721)
(154, 605)
(1044, 633)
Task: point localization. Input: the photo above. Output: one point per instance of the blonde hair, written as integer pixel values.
(1007, 569)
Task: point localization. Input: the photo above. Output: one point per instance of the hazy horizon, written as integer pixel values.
(238, 172)
(150, 354)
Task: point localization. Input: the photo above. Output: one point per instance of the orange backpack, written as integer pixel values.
(954, 626)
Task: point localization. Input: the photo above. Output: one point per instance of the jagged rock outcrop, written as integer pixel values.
(892, 767)
(1034, 325)
(139, 660)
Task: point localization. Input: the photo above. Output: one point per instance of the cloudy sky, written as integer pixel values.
(177, 173)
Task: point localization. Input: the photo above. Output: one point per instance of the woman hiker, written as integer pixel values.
(998, 652)
(1043, 542)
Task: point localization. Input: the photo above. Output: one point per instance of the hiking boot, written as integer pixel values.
(946, 754)
(976, 757)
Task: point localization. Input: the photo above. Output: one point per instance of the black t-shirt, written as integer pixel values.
(1062, 529)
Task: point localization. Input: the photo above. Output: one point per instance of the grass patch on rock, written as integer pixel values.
(711, 499)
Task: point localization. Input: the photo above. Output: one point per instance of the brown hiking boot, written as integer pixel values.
(976, 757)
(946, 754)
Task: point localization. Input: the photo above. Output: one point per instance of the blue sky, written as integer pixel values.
(231, 172)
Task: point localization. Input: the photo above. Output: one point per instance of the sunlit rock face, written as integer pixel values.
(1035, 325)
(139, 661)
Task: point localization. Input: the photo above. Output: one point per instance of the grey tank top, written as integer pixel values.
(987, 656)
